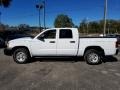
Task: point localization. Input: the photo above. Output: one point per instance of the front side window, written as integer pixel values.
(51, 34)
(65, 33)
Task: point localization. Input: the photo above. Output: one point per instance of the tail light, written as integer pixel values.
(117, 44)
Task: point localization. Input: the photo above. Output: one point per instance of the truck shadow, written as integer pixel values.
(71, 60)
(110, 59)
(66, 60)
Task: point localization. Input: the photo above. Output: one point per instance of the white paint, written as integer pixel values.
(63, 47)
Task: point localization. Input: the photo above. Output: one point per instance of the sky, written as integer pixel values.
(25, 12)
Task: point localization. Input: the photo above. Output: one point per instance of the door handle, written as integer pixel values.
(52, 41)
(72, 41)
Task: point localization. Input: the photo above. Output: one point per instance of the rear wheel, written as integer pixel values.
(21, 56)
(93, 57)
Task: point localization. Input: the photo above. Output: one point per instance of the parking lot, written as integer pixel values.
(59, 74)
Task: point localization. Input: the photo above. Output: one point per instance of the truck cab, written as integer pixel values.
(56, 42)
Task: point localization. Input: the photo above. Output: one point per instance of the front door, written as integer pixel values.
(45, 44)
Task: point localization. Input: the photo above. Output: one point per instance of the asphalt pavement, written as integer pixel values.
(59, 74)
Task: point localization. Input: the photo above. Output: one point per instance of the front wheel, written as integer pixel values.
(21, 56)
(93, 57)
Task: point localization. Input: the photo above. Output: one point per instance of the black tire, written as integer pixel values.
(93, 57)
(21, 55)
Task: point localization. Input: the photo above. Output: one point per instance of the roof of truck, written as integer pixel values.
(59, 28)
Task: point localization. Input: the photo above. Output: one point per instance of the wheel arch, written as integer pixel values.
(13, 49)
(98, 48)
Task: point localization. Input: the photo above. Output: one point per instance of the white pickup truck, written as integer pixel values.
(61, 42)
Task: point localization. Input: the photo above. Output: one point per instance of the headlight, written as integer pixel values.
(7, 44)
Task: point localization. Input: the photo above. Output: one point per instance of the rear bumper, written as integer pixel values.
(117, 51)
(8, 52)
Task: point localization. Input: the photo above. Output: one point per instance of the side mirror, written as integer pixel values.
(41, 38)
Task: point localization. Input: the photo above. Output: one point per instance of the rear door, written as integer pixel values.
(67, 44)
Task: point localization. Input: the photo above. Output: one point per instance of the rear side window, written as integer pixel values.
(66, 33)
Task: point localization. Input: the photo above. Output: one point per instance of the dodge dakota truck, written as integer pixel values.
(61, 42)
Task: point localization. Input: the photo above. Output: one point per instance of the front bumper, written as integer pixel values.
(8, 52)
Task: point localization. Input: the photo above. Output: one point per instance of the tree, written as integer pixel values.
(23, 27)
(5, 3)
(83, 26)
(112, 26)
(63, 21)
(94, 27)
(2, 27)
